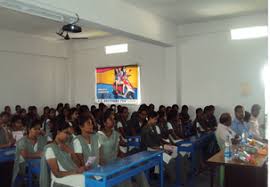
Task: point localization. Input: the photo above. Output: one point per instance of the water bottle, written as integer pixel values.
(244, 137)
(228, 150)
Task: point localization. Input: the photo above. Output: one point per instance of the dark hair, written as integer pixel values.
(52, 109)
(83, 109)
(73, 110)
(238, 107)
(118, 107)
(93, 108)
(60, 126)
(224, 118)
(7, 107)
(32, 124)
(66, 105)
(14, 119)
(101, 106)
(255, 107)
(184, 107)
(46, 108)
(206, 109)
(59, 105)
(172, 115)
(152, 114)
(122, 109)
(247, 116)
(17, 106)
(199, 110)
(143, 107)
(175, 106)
(82, 120)
(151, 105)
(160, 107)
(107, 115)
(211, 107)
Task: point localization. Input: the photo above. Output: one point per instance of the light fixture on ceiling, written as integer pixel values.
(119, 48)
(249, 33)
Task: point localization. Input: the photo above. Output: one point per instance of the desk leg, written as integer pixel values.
(161, 170)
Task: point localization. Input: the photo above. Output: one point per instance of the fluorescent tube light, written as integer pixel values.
(249, 33)
(119, 48)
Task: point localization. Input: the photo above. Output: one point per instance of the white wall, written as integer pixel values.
(151, 59)
(213, 68)
(33, 71)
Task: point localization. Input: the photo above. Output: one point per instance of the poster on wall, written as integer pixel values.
(118, 85)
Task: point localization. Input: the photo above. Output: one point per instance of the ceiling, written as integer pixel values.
(190, 11)
(40, 27)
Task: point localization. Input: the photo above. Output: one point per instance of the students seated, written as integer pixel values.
(184, 116)
(64, 164)
(86, 144)
(174, 124)
(151, 107)
(224, 130)
(162, 108)
(18, 109)
(254, 123)
(239, 126)
(45, 114)
(17, 127)
(7, 109)
(121, 127)
(135, 124)
(152, 141)
(212, 121)
(29, 147)
(49, 122)
(6, 139)
(109, 147)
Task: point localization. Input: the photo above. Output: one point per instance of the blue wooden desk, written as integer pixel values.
(196, 143)
(124, 169)
(7, 154)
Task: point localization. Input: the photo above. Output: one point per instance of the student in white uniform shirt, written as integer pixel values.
(86, 144)
(62, 161)
(224, 130)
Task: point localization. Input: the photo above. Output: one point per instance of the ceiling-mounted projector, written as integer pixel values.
(72, 28)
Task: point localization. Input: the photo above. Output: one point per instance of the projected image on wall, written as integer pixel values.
(118, 84)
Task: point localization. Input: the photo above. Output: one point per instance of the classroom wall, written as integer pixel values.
(153, 61)
(213, 69)
(33, 71)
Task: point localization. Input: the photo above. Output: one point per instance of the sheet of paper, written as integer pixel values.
(166, 158)
(17, 135)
